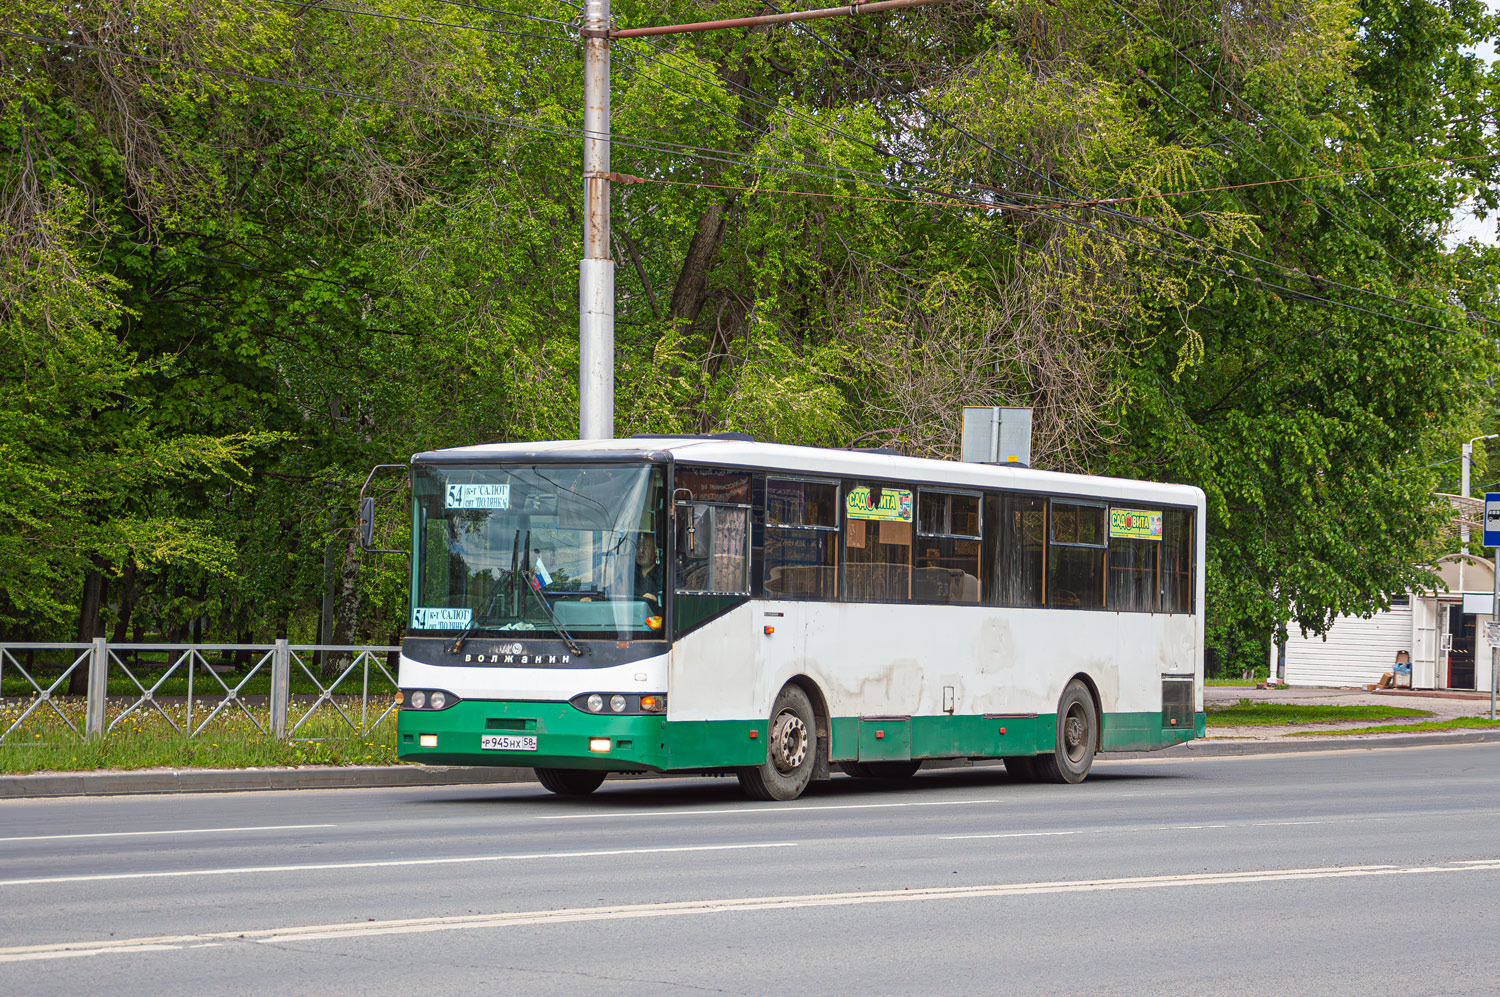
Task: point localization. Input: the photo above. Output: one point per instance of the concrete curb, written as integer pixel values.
(154, 781)
(53, 784)
(1210, 748)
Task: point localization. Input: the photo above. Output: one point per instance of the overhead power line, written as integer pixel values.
(1242, 102)
(308, 5)
(724, 157)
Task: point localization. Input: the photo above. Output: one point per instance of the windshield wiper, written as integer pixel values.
(509, 589)
(532, 587)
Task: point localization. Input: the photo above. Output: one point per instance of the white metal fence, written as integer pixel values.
(361, 681)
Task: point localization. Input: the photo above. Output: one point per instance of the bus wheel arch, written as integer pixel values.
(1093, 688)
(822, 726)
(792, 749)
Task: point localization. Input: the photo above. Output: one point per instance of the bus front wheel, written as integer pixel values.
(569, 782)
(791, 750)
(1077, 738)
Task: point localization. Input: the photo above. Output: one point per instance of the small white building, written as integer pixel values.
(1443, 630)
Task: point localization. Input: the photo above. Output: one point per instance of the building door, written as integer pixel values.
(1461, 657)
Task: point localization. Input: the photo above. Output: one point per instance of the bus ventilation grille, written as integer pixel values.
(1177, 703)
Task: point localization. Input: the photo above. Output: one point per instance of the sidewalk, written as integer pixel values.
(1443, 706)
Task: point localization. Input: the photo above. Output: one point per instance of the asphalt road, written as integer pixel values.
(1336, 872)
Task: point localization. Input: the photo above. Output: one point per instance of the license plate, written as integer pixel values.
(507, 742)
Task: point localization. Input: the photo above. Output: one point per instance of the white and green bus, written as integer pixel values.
(717, 604)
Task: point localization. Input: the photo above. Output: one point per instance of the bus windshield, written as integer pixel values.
(538, 550)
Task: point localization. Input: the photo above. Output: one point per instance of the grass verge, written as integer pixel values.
(44, 743)
(1457, 723)
(1248, 713)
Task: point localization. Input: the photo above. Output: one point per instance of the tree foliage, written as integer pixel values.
(252, 249)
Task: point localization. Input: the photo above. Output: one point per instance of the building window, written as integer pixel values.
(1075, 555)
(878, 529)
(947, 561)
(801, 546)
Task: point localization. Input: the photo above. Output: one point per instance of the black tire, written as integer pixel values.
(1021, 768)
(1077, 738)
(892, 771)
(570, 782)
(791, 750)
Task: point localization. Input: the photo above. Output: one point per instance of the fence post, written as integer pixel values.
(98, 688)
(281, 679)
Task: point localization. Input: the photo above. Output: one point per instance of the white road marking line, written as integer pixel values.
(755, 811)
(570, 915)
(383, 864)
(143, 834)
(1092, 830)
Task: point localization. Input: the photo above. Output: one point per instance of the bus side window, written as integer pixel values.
(713, 549)
(947, 562)
(1075, 555)
(877, 543)
(801, 539)
(1020, 550)
(1135, 539)
(1177, 549)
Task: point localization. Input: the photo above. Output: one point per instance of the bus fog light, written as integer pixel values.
(598, 744)
(617, 703)
(419, 700)
(438, 700)
(427, 740)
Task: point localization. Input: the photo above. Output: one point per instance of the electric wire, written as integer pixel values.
(553, 130)
(1244, 103)
(311, 5)
(854, 63)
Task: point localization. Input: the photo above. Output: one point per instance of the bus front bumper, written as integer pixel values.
(489, 732)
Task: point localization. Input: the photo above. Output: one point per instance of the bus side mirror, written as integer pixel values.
(366, 522)
(366, 533)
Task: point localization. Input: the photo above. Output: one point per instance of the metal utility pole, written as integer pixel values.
(596, 271)
(1463, 514)
(1468, 452)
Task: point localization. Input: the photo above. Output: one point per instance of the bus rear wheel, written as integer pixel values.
(880, 770)
(569, 782)
(1077, 738)
(791, 750)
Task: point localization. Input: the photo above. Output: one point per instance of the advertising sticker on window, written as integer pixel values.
(477, 496)
(895, 505)
(1134, 524)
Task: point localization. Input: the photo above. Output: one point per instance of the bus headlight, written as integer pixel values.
(426, 699)
(624, 704)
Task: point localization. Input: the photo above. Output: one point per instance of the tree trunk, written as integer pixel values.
(346, 604)
(90, 607)
(129, 593)
(691, 291)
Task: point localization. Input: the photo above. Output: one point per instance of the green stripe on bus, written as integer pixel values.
(651, 743)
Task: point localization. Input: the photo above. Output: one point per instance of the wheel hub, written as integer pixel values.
(788, 742)
(1075, 735)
